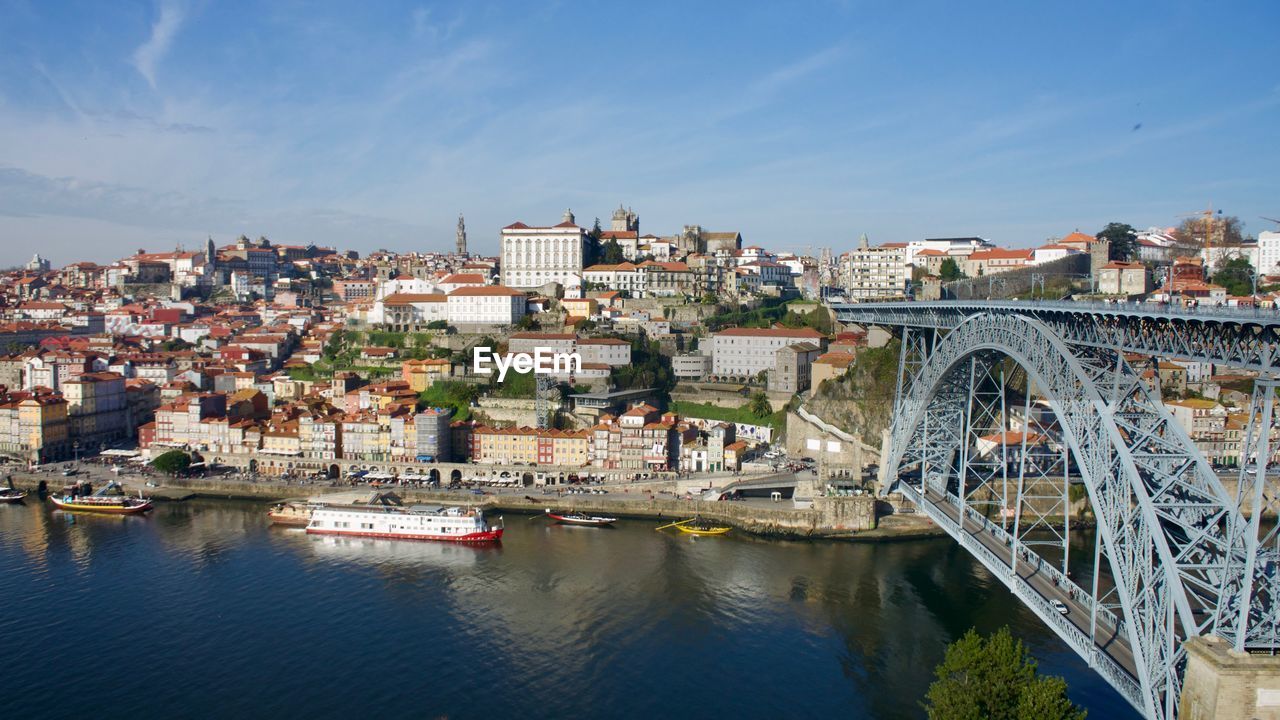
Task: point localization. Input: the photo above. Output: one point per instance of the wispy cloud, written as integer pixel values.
(762, 90)
(163, 30)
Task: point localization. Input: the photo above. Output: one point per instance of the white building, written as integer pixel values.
(746, 352)
(535, 256)
(1268, 257)
(485, 305)
(959, 248)
(875, 272)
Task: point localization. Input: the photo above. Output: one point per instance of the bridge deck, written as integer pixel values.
(1109, 645)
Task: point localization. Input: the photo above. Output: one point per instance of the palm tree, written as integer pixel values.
(759, 405)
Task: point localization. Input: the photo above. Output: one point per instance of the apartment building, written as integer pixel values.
(747, 352)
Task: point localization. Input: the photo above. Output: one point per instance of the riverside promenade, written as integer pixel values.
(829, 517)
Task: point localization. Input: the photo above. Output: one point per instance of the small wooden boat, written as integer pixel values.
(291, 513)
(696, 526)
(576, 518)
(110, 499)
(10, 495)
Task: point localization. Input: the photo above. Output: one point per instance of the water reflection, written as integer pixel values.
(271, 621)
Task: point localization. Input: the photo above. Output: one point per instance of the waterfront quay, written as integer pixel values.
(829, 517)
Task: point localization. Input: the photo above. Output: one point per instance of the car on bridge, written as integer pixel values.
(1060, 606)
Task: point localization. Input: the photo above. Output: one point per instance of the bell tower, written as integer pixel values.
(462, 236)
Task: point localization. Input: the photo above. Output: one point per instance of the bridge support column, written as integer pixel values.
(1223, 684)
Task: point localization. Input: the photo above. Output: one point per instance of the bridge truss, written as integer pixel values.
(1173, 557)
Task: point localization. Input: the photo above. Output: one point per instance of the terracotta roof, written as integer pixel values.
(1079, 237)
(464, 279)
(486, 290)
(411, 298)
(772, 332)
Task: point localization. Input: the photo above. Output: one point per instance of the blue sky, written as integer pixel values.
(366, 125)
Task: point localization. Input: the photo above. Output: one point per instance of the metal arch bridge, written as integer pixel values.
(1174, 557)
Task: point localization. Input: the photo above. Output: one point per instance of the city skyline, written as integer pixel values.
(149, 125)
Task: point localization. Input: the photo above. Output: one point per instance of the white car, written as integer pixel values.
(1060, 606)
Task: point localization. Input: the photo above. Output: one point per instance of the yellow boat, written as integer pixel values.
(700, 528)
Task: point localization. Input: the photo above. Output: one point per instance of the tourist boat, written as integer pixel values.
(418, 522)
(696, 526)
(577, 518)
(298, 512)
(10, 495)
(110, 499)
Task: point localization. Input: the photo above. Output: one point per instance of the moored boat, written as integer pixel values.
(110, 499)
(577, 518)
(291, 513)
(696, 526)
(298, 512)
(10, 495)
(418, 522)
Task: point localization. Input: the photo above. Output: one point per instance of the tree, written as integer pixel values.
(995, 677)
(1122, 237)
(1236, 275)
(611, 253)
(950, 270)
(759, 405)
(172, 462)
(1223, 230)
(438, 325)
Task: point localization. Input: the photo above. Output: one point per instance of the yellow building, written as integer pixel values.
(505, 446)
(422, 374)
(33, 427)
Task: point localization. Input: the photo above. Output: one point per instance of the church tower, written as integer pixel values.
(210, 253)
(625, 219)
(462, 236)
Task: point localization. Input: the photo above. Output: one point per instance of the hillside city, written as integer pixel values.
(700, 352)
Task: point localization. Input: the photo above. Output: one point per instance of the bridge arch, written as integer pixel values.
(1168, 528)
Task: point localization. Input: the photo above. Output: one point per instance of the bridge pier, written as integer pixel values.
(1224, 684)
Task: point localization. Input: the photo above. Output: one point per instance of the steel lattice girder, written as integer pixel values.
(1247, 339)
(1173, 537)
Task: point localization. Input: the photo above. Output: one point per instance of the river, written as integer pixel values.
(202, 609)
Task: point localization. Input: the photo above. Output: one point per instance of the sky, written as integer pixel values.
(158, 123)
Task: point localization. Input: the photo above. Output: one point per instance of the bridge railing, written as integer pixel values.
(1079, 641)
(1209, 312)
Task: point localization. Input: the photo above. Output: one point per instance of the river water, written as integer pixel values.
(202, 609)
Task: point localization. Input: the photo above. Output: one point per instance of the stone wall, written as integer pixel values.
(1014, 282)
(1222, 684)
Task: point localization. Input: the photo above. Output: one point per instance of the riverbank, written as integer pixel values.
(843, 518)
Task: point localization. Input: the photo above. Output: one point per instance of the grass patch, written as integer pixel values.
(777, 420)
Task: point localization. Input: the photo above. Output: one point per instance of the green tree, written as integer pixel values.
(759, 405)
(1235, 274)
(995, 678)
(172, 462)
(611, 253)
(950, 270)
(438, 325)
(1122, 237)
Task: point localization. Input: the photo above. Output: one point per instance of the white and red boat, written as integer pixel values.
(577, 518)
(418, 522)
(10, 495)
